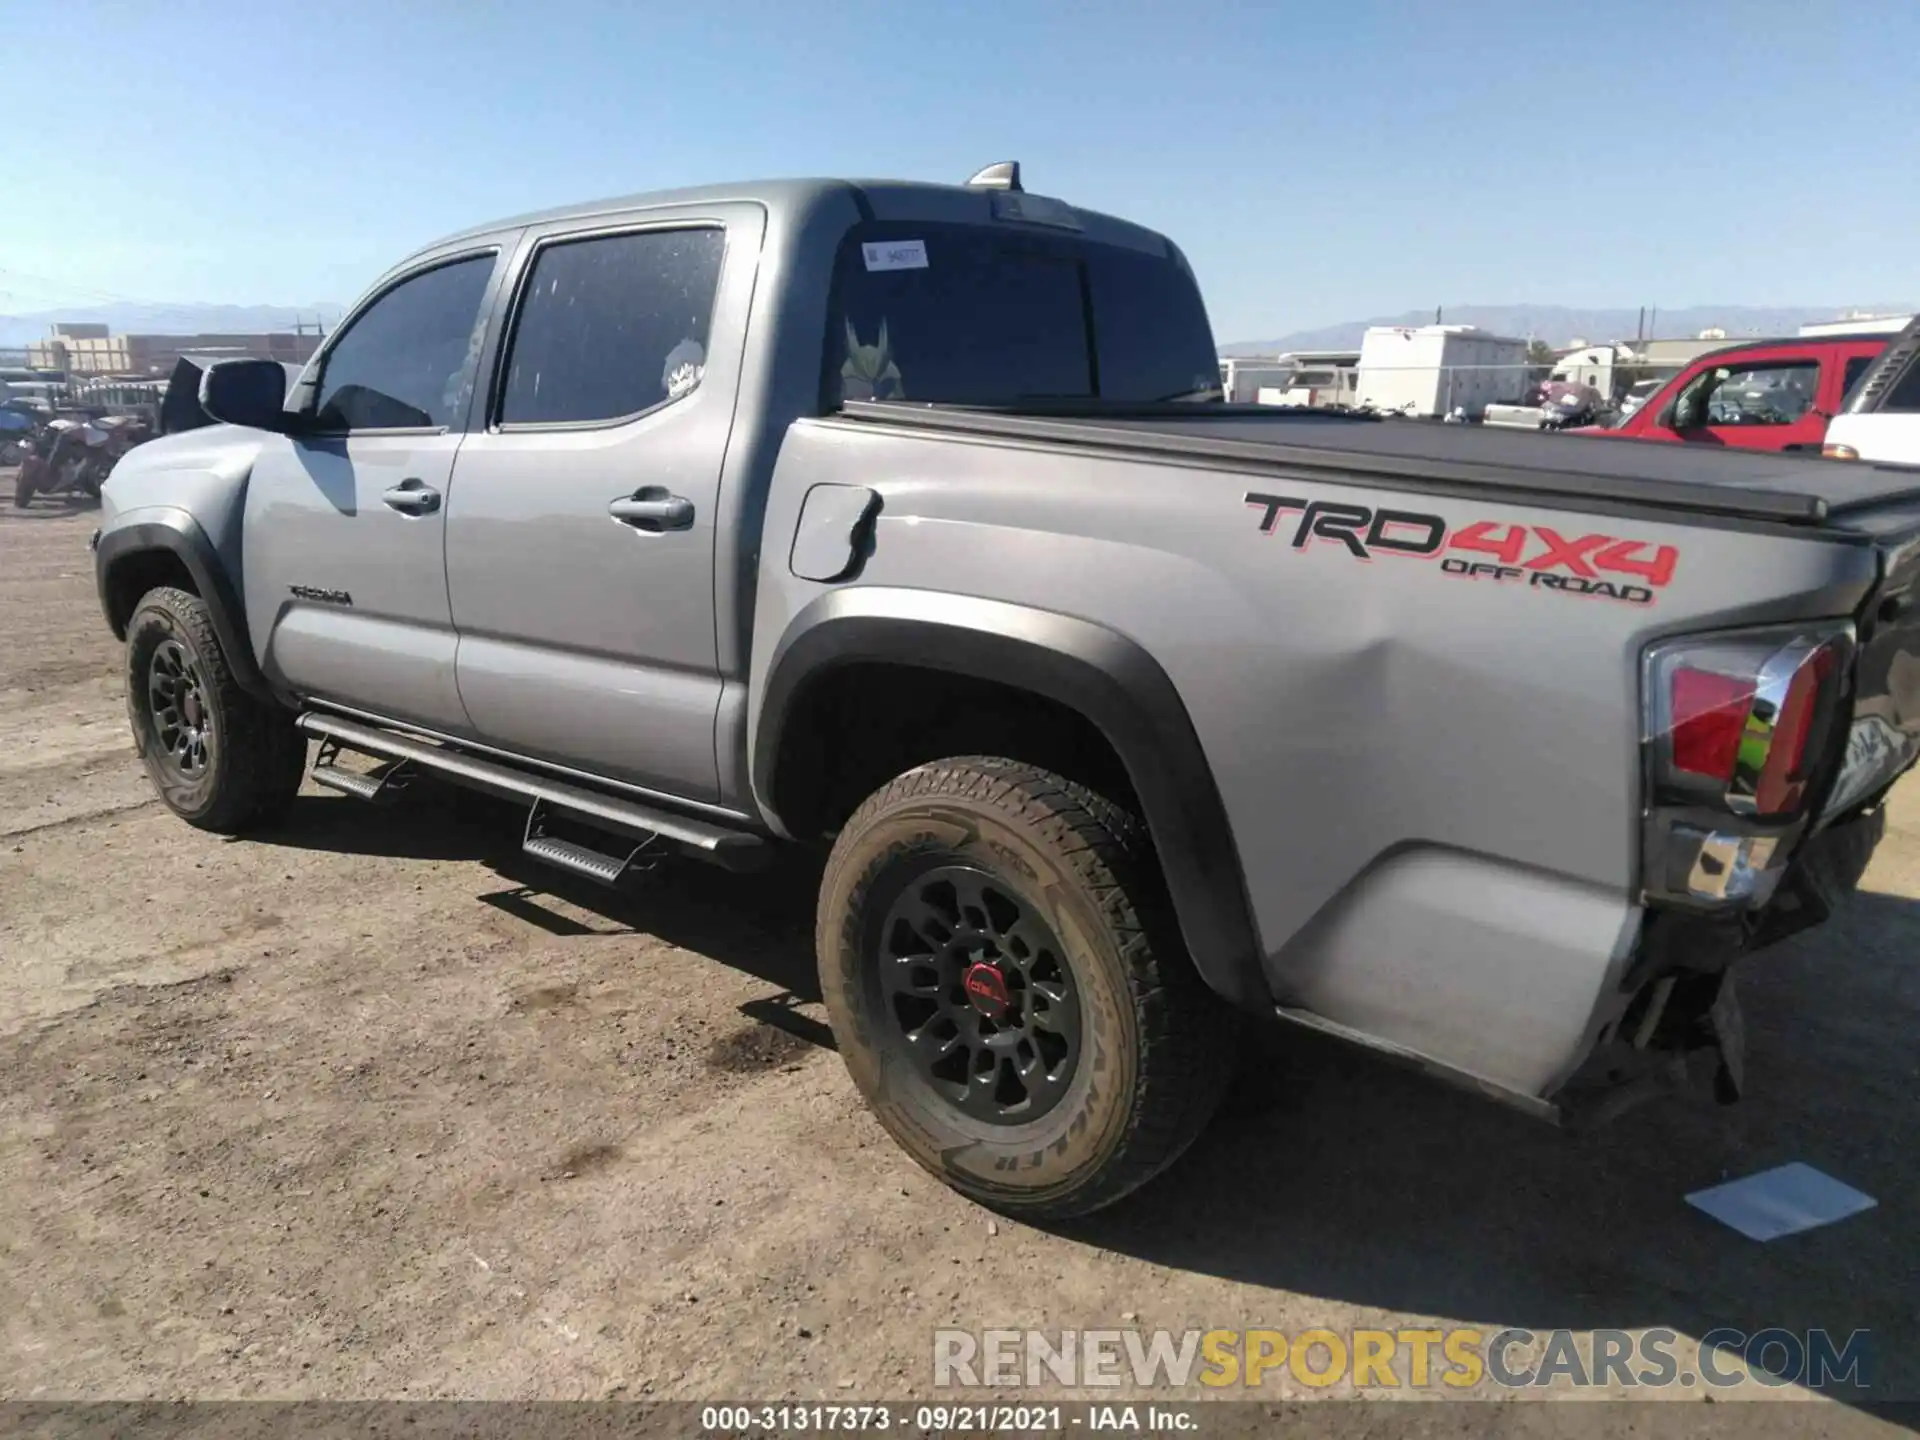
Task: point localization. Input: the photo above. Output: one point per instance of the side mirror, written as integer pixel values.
(252, 393)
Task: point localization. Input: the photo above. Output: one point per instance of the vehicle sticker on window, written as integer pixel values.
(869, 372)
(686, 363)
(895, 254)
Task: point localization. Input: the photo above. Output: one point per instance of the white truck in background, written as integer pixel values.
(1880, 418)
(1436, 370)
(1244, 380)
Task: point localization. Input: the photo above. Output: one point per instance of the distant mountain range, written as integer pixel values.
(1555, 324)
(131, 318)
(1559, 324)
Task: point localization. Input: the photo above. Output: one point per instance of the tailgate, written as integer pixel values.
(1884, 739)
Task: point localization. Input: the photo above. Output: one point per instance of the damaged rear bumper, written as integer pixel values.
(1678, 1025)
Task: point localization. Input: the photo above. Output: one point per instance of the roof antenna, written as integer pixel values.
(1004, 176)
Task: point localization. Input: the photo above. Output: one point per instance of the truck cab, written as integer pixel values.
(1880, 419)
(1762, 395)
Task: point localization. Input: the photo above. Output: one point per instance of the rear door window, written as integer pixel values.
(612, 326)
(1856, 367)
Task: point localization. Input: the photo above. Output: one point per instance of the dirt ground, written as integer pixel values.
(370, 1107)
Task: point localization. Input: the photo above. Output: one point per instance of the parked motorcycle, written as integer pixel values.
(74, 457)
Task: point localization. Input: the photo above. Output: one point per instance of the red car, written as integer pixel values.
(1758, 395)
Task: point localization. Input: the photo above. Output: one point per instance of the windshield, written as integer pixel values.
(979, 315)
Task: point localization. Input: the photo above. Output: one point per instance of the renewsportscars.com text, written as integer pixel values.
(1417, 1359)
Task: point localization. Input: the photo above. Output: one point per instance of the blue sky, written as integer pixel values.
(1319, 162)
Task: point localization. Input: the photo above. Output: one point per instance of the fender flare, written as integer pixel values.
(1107, 678)
(175, 531)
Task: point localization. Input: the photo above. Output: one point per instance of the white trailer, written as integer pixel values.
(1437, 369)
(1243, 379)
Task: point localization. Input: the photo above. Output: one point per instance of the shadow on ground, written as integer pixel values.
(761, 925)
(1335, 1175)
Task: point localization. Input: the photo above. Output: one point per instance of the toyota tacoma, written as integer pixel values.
(906, 522)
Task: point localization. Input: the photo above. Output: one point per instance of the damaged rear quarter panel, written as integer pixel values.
(1420, 770)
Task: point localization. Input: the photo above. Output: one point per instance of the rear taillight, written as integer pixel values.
(1709, 712)
(1739, 723)
(1738, 728)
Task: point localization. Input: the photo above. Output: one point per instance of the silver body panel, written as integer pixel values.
(1380, 732)
(595, 644)
(315, 519)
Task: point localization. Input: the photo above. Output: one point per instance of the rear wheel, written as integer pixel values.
(1006, 993)
(220, 759)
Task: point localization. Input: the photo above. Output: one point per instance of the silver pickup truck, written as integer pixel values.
(904, 522)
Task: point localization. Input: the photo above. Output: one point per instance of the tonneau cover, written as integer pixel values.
(1701, 478)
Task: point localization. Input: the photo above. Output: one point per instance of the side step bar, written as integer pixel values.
(371, 788)
(645, 824)
(584, 859)
(379, 789)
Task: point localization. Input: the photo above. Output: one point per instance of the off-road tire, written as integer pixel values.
(1156, 1044)
(256, 758)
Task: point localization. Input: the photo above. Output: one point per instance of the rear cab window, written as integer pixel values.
(1904, 397)
(991, 315)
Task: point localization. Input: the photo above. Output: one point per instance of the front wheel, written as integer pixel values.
(26, 482)
(1007, 993)
(219, 759)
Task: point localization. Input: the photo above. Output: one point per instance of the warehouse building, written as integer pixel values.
(82, 350)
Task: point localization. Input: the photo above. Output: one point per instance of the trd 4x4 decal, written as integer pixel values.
(1536, 556)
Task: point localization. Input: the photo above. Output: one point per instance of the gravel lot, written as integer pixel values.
(369, 1107)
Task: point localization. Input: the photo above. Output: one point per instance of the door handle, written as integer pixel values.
(412, 497)
(652, 509)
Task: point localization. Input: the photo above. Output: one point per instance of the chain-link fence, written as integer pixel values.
(1466, 390)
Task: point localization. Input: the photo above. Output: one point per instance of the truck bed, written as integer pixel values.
(1699, 480)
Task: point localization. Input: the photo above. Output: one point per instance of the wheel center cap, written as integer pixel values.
(986, 987)
(190, 708)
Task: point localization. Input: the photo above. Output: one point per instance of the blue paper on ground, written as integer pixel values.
(1781, 1201)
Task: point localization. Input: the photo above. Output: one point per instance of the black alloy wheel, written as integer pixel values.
(219, 758)
(183, 720)
(1007, 988)
(983, 1001)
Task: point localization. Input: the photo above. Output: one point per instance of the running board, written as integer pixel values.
(378, 789)
(596, 865)
(706, 839)
(371, 788)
